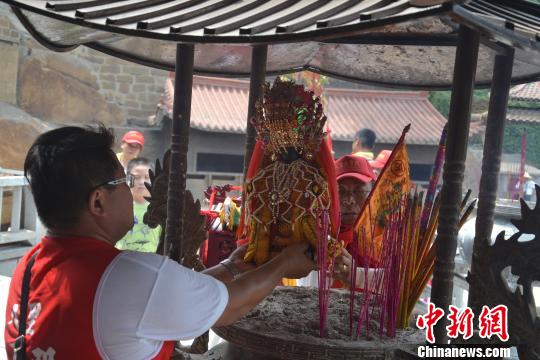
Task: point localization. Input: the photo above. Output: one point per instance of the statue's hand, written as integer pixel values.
(298, 264)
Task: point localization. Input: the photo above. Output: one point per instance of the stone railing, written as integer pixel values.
(20, 227)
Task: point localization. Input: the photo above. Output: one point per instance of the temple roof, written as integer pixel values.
(403, 43)
(526, 92)
(523, 115)
(220, 105)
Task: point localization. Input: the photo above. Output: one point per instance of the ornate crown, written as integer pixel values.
(289, 117)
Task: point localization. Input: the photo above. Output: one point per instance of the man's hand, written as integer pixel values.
(248, 290)
(342, 267)
(297, 263)
(237, 257)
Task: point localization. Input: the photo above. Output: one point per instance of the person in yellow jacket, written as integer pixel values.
(363, 144)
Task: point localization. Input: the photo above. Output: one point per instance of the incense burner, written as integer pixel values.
(286, 326)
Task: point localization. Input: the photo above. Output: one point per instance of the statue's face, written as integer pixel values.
(352, 195)
(289, 156)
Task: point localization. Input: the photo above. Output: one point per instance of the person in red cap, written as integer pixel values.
(132, 145)
(355, 179)
(380, 161)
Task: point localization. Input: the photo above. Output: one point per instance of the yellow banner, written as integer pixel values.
(393, 182)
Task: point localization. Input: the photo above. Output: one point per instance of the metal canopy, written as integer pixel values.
(384, 42)
(231, 21)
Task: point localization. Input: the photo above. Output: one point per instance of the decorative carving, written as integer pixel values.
(156, 213)
(194, 233)
(522, 259)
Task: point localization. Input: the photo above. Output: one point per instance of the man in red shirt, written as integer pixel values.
(87, 299)
(355, 179)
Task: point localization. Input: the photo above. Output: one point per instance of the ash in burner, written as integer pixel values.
(292, 314)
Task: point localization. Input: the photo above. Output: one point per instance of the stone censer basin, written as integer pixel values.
(286, 326)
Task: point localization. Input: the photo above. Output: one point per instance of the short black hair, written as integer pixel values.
(63, 166)
(137, 162)
(367, 138)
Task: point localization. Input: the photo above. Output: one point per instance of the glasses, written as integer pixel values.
(129, 180)
(145, 178)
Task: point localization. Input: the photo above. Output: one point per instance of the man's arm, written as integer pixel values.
(223, 274)
(219, 272)
(253, 286)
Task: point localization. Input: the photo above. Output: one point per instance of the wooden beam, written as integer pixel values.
(491, 163)
(185, 54)
(258, 74)
(456, 153)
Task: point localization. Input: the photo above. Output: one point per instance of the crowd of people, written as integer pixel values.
(86, 296)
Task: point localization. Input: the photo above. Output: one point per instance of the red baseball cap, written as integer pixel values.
(381, 159)
(134, 137)
(357, 167)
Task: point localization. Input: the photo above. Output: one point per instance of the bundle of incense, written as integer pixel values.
(326, 269)
(354, 257)
(367, 290)
(405, 267)
(381, 291)
(433, 181)
(421, 267)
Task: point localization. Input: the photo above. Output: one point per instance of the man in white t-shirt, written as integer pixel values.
(89, 300)
(528, 187)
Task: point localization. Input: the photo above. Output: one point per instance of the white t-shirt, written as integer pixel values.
(528, 188)
(145, 299)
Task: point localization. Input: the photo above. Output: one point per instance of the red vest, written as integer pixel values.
(65, 277)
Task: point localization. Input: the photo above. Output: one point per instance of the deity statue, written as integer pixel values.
(290, 191)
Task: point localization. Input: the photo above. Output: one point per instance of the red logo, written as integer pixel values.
(461, 322)
(490, 322)
(494, 322)
(429, 320)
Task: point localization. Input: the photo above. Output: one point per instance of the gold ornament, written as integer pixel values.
(289, 191)
(288, 117)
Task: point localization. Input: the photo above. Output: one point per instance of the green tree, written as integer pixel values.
(512, 141)
(513, 131)
(441, 101)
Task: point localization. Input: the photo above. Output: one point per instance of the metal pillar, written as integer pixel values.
(183, 81)
(456, 153)
(491, 162)
(258, 72)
